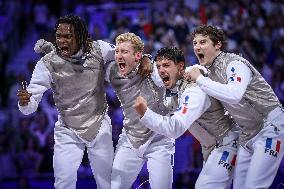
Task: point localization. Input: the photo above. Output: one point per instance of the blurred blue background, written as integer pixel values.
(255, 29)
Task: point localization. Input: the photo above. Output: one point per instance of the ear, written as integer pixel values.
(138, 56)
(218, 45)
(181, 65)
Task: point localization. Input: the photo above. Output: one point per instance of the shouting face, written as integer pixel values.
(66, 40)
(169, 72)
(205, 50)
(126, 58)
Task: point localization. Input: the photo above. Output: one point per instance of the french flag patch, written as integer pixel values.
(184, 107)
(234, 76)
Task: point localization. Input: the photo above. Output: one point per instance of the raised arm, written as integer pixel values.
(238, 77)
(193, 103)
(43, 46)
(40, 82)
(107, 51)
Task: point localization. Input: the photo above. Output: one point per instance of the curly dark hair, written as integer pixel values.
(170, 53)
(214, 33)
(81, 31)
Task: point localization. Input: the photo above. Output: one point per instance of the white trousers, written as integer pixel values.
(258, 167)
(217, 171)
(128, 162)
(69, 150)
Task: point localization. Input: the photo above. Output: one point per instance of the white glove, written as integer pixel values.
(43, 46)
(188, 69)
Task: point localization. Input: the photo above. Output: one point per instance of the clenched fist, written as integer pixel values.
(140, 105)
(24, 97)
(193, 74)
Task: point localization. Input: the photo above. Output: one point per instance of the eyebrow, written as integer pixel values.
(70, 33)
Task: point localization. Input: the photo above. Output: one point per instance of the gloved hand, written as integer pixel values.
(205, 71)
(43, 46)
(192, 72)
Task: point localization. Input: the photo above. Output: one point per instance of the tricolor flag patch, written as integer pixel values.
(234, 76)
(227, 161)
(272, 147)
(184, 107)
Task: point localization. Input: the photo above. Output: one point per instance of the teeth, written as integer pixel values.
(63, 50)
(121, 65)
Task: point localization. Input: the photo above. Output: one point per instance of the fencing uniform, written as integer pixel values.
(77, 85)
(205, 118)
(138, 144)
(253, 105)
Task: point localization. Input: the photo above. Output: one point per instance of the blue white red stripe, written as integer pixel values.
(276, 146)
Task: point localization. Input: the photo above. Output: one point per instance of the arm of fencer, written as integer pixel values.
(194, 102)
(43, 46)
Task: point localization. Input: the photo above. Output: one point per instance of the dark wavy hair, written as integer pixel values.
(80, 29)
(214, 33)
(170, 53)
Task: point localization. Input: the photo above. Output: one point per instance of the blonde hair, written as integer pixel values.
(138, 44)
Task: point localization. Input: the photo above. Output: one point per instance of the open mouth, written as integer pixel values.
(166, 80)
(64, 50)
(200, 55)
(121, 65)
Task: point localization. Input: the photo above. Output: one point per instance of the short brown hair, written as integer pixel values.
(214, 33)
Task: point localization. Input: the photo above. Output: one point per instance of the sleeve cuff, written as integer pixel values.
(30, 108)
(200, 79)
(146, 115)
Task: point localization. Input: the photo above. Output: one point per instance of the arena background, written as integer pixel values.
(255, 29)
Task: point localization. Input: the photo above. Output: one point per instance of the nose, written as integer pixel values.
(196, 47)
(60, 40)
(118, 56)
(161, 70)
